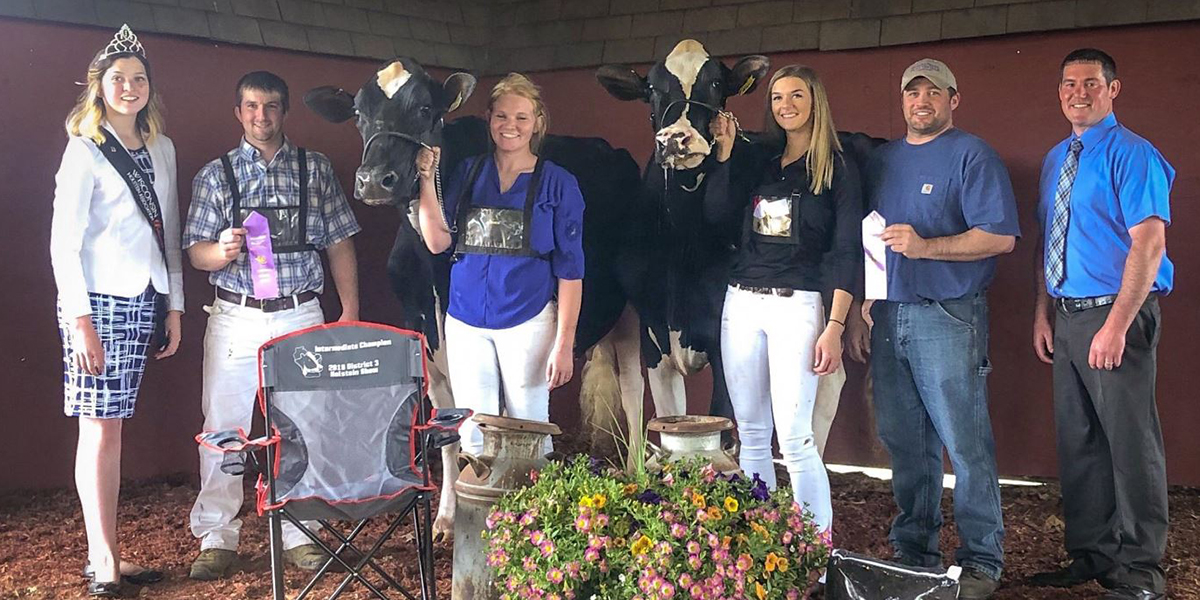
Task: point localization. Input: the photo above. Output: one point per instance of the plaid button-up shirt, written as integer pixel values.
(262, 184)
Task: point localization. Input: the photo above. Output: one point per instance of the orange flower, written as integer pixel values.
(630, 488)
(698, 500)
(771, 562)
(714, 512)
(760, 591)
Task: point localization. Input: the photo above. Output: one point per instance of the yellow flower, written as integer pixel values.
(630, 488)
(586, 501)
(599, 500)
(781, 565)
(771, 562)
(641, 546)
(731, 504)
(759, 591)
(698, 500)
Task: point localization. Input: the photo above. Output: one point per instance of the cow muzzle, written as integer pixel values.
(375, 186)
(680, 146)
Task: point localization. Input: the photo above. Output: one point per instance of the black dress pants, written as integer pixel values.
(1110, 450)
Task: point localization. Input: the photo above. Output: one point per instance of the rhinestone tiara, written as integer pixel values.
(125, 42)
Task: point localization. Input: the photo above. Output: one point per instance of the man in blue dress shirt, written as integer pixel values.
(1105, 207)
(950, 209)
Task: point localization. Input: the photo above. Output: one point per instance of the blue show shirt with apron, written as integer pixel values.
(505, 286)
(1122, 181)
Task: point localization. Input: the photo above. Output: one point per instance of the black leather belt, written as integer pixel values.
(1074, 305)
(270, 304)
(766, 291)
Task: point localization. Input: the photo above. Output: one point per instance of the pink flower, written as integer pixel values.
(601, 520)
(547, 548)
(668, 590)
(582, 523)
(693, 561)
(787, 537)
(696, 591)
(685, 580)
(744, 562)
(526, 520)
(537, 537)
(555, 575)
(491, 520)
(591, 555)
(528, 564)
(678, 530)
(693, 547)
(668, 517)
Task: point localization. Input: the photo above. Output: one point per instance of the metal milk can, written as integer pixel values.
(683, 436)
(511, 449)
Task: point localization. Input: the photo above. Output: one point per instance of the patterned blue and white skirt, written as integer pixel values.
(125, 326)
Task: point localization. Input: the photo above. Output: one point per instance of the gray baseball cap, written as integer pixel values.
(935, 71)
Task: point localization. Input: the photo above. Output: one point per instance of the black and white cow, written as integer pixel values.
(400, 109)
(680, 271)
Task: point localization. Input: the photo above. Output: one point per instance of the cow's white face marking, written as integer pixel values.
(391, 78)
(682, 146)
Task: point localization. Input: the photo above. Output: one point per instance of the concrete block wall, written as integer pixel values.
(536, 34)
(447, 33)
(497, 36)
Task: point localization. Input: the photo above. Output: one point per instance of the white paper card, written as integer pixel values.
(874, 257)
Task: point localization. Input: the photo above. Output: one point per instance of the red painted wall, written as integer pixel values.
(1009, 99)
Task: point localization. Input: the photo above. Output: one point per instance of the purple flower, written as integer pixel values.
(649, 497)
(759, 490)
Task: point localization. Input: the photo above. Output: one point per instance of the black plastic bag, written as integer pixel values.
(856, 577)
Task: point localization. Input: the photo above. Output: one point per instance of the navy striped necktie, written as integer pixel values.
(1056, 254)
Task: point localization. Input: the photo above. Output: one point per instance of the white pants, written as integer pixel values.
(767, 344)
(482, 360)
(230, 388)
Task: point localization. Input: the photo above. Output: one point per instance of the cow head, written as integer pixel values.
(684, 90)
(398, 110)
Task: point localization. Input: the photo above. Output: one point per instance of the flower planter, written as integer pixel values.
(685, 436)
(512, 448)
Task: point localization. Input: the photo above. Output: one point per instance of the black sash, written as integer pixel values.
(147, 201)
(300, 241)
(465, 207)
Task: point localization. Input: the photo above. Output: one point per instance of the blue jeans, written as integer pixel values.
(930, 366)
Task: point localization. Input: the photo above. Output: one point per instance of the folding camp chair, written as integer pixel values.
(350, 436)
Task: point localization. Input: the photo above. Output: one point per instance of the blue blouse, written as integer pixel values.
(496, 291)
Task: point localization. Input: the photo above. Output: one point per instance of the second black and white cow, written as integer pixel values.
(679, 270)
(400, 109)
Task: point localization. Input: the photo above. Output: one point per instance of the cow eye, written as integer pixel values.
(425, 111)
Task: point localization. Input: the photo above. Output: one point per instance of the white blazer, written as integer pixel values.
(99, 240)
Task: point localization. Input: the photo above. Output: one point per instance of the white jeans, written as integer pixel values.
(767, 344)
(481, 360)
(230, 387)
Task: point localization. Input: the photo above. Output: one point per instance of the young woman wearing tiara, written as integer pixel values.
(114, 247)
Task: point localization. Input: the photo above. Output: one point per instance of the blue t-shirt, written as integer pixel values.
(944, 187)
(1122, 181)
(496, 291)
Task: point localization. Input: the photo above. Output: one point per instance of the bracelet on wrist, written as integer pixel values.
(842, 323)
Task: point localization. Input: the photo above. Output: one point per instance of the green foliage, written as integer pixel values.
(584, 531)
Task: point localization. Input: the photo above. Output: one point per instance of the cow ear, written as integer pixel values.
(332, 104)
(746, 74)
(458, 88)
(623, 83)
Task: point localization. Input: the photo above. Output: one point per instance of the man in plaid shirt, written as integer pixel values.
(266, 169)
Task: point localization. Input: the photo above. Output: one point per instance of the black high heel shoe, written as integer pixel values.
(143, 577)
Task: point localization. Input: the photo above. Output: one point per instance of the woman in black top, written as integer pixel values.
(800, 212)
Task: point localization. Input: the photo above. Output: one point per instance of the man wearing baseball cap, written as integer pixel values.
(950, 210)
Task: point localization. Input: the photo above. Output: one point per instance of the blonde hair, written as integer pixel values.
(520, 85)
(87, 117)
(824, 145)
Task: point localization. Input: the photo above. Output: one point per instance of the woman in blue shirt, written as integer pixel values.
(516, 224)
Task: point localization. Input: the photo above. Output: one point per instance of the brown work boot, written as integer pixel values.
(213, 563)
(309, 557)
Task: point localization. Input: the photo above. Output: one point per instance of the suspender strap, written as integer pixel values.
(468, 192)
(535, 182)
(234, 194)
(139, 184)
(303, 156)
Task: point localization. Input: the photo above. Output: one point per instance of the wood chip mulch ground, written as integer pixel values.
(42, 545)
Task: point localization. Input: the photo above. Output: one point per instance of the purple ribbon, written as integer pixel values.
(262, 259)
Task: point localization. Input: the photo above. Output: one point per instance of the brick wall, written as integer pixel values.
(497, 36)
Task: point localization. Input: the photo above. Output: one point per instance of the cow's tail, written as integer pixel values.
(600, 400)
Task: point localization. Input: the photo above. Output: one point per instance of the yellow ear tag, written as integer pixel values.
(746, 86)
(262, 260)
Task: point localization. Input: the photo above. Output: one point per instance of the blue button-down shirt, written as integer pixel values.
(1122, 181)
(262, 184)
(494, 291)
